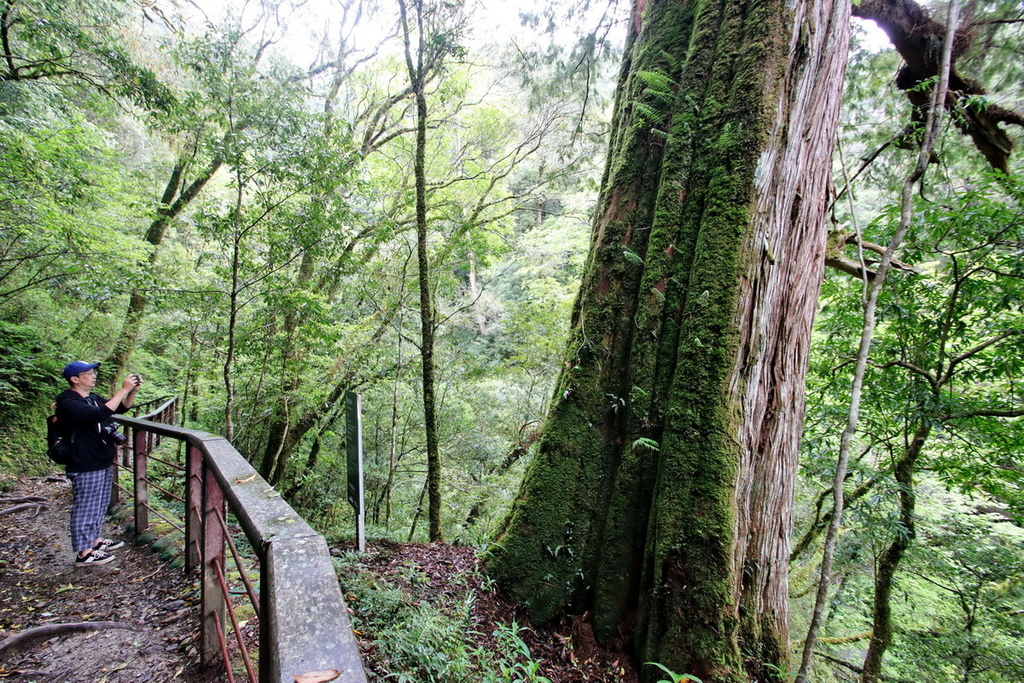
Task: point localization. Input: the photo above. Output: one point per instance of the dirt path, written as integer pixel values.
(151, 603)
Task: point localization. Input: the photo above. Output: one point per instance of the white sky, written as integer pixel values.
(490, 20)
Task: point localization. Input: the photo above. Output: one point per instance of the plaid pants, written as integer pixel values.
(92, 497)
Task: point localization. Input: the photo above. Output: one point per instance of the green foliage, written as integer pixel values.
(517, 663)
(660, 90)
(63, 207)
(946, 354)
(84, 43)
(27, 366)
(644, 442)
(426, 641)
(673, 677)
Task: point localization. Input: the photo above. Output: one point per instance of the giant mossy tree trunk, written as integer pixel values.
(660, 495)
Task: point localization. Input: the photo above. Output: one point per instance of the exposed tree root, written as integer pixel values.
(19, 641)
(23, 499)
(38, 507)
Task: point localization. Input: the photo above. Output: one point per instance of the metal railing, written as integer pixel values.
(303, 620)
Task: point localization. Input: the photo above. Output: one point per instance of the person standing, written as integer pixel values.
(85, 418)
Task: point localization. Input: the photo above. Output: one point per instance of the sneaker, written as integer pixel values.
(93, 557)
(106, 544)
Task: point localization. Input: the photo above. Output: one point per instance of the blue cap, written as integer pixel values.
(77, 367)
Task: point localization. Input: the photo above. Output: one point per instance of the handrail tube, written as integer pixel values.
(305, 625)
(150, 510)
(168, 402)
(243, 573)
(222, 580)
(222, 640)
(169, 494)
(172, 465)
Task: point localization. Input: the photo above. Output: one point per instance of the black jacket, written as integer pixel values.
(82, 418)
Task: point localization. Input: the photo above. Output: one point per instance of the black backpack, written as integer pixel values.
(58, 444)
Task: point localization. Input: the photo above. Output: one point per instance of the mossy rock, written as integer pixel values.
(145, 538)
(164, 542)
(172, 552)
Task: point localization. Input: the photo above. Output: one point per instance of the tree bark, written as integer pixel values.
(233, 307)
(660, 496)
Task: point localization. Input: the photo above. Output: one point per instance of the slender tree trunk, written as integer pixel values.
(867, 333)
(278, 449)
(416, 77)
(171, 205)
(393, 445)
(881, 630)
(972, 655)
(660, 498)
(419, 511)
(474, 293)
(229, 356)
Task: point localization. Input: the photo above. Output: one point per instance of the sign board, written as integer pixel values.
(354, 453)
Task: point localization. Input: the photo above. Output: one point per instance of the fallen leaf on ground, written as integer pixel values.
(318, 676)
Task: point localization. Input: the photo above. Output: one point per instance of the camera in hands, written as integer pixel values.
(111, 434)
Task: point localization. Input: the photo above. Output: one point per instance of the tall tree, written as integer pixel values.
(660, 495)
(428, 45)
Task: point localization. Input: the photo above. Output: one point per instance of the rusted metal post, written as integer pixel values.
(213, 598)
(193, 508)
(141, 481)
(115, 492)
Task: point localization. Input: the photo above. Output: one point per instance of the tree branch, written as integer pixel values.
(908, 366)
(974, 351)
(5, 39)
(992, 412)
(917, 38)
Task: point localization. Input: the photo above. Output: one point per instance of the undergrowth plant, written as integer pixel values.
(518, 664)
(673, 677)
(408, 638)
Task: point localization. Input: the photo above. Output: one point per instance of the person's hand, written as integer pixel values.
(132, 382)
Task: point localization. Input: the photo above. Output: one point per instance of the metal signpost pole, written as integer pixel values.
(354, 449)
